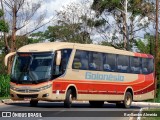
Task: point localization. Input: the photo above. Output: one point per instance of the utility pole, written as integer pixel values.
(127, 37)
(126, 40)
(156, 45)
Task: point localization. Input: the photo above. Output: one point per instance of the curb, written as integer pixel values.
(6, 101)
(149, 104)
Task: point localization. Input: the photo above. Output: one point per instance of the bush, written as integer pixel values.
(4, 85)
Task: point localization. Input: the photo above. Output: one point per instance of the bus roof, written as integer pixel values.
(45, 47)
(52, 46)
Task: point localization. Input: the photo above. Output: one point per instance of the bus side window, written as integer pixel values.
(109, 62)
(147, 65)
(135, 65)
(123, 63)
(92, 65)
(65, 58)
(84, 60)
(80, 60)
(77, 62)
(65, 55)
(95, 61)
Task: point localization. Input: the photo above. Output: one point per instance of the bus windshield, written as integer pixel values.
(32, 68)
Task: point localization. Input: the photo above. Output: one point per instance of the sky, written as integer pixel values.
(50, 7)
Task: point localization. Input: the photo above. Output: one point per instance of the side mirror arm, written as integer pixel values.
(58, 58)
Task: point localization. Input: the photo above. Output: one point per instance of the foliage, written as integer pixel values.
(67, 33)
(37, 37)
(1, 13)
(4, 27)
(20, 41)
(4, 85)
(74, 24)
(146, 45)
(3, 69)
(116, 8)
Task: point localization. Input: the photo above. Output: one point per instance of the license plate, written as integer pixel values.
(27, 99)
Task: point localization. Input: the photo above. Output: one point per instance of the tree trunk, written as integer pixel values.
(124, 31)
(13, 38)
(156, 47)
(131, 32)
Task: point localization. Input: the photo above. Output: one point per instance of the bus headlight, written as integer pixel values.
(30, 89)
(12, 87)
(44, 87)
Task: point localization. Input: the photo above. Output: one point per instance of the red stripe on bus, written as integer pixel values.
(82, 86)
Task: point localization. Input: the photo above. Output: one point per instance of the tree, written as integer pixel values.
(23, 15)
(74, 24)
(3, 28)
(116, 9)
(3, 24)
(22, 12)
(4, 32)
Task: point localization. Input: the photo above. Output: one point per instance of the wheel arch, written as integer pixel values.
(129, 89)
(74, 90)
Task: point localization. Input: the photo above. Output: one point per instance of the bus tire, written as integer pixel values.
(68, 99)
(127, 100)
(96, 104)
(33, 103)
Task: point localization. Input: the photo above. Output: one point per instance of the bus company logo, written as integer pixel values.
(97, 76)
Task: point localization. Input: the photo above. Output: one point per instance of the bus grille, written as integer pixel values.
(27, 91)
(27, 96)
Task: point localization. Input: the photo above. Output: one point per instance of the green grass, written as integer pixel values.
(152, 111)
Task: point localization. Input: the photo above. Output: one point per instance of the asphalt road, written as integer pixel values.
(56, 111)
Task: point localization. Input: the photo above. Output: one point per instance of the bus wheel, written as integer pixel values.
(96, 103)
(127, 100)
(33, 103)
(68, 99)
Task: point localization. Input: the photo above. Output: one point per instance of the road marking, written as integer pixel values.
(139, 117)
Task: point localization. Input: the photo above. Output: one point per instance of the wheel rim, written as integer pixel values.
(70, 98)
(128, 100)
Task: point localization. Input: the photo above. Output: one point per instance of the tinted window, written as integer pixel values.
(87, 60)
(80, 60)
(147, 65)
(95, 61)
(135, 65)
(65, 58)
(123, 63)
(109, 62)
(65, 55)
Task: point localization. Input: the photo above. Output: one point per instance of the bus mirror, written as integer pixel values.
(7, 56)
(58, 58)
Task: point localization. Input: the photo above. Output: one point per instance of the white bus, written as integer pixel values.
(61, 71)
